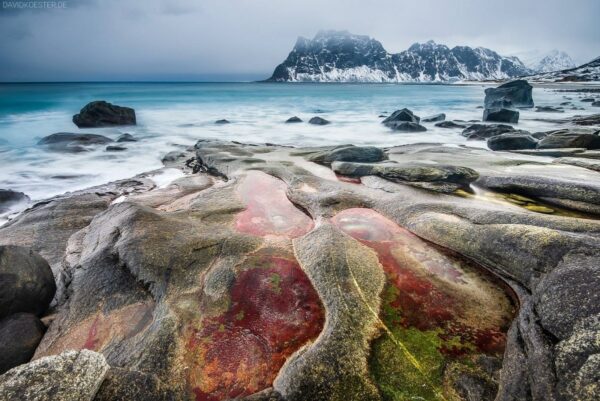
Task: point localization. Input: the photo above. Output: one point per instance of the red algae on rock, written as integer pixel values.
(268, 210)
(273, 311)
(437, 308)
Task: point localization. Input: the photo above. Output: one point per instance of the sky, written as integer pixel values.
(112, 40)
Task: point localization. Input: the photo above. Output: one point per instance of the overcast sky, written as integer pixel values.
(246, 39)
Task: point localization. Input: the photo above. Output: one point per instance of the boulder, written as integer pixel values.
(501, 115)
(70, 376)
(222, 121)
(26, 281)
(549, 109)
(124, 385)
(126, 138)
(319, 121)
(570, 139)
(20, 333)
(405, 126)
(293, 120)
(72, 142)
(484, 131)
(449, 124)
(596, 104)
(434, 118)
(359, 154)
(593, 119)
(512, 141)
(401, 115)
(115, 148)
(9, 198)
(588, 100)
(104, 114)
(518, 93)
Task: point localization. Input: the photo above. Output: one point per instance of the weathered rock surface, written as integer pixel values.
(518, 93)
(449, 124)
(20, 333)
(9, 198)
(72, 142)
(319, 121)
(403, 115)
(501, 115)
(359, 154)
(26, 281)
(404, 126)
(71, 376)
(512, 141)
(434, 118)
(570, 139)
(104, 114)
(484, 131)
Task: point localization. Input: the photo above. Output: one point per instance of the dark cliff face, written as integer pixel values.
(338, 56)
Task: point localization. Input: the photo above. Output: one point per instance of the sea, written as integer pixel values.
(172, 115)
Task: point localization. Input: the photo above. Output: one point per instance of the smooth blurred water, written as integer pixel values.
(172, 114)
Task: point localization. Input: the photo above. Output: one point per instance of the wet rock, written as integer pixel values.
(404, 126)
(319, 121)
(27, 281)
(104, 114)
(484, 131)
(403, 115)
(71, 142)
(442, 178)
(518, 93)
(593, 119)
(70, 376)
(222, 121)
(512, 141)
(359, 154)
(596, 104)
(434, 118)
(580, 162)
(293, 120)
(549, 109)
(9, 198)
(588, 100)
(570, 139)
(126, 138)
(501, 115)
(115, 148)
(449, 124)
(564, 152)
(20, 333)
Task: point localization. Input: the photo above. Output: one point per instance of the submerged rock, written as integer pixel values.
(404, 126)
(319, 121)
(293, 120)
(570, 139)
(27, 281)
(115, 148)
(588, 100)
(70, 376)
(222, 121)
(10, 198)
(549, 109)
(72, 142)
(511, 141)
(20, 333)
(104, 114)
(596, 104)
(403, 115)
(434, 118)
(360, 154)
(518, 93)
(501, 115)
(449, 124)
(484, 131)
(126, 138)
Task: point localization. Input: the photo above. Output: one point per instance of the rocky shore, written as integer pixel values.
(270, 272)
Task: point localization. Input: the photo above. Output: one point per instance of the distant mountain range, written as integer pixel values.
(584, 73)
(339, 56)
(554, 60)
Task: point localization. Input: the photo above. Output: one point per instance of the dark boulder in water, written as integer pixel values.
(434, 118)
(501, 115)
(518, 93)
(596, 104)
(484, 131)
(9, 198)
(400, 116)
(126, 138)
(115, 148)
(405, 126)
(549, 109)
(72, 142)
(222, 121)
(449, 124)
(293, 120)
(104, 114)
(27, 281)
(319, 121)
(512, 141)
(360, 154)
(588, 100)
(20, 333)
(570, 139)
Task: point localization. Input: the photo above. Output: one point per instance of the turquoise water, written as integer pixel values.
(174, 114)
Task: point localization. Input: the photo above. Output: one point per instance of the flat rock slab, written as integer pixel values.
(70, 376)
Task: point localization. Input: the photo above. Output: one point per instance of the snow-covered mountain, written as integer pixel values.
(554, 60)
(584, 73)
(339, 56)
